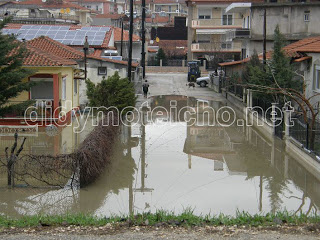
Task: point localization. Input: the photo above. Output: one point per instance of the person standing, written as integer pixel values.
(145, 88)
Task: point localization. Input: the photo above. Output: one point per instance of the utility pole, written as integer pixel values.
(143, 31)
(121, 51)
(130, 41)
(264, 35)
(85, 49)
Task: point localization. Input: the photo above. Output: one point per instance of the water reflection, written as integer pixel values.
(174, 166)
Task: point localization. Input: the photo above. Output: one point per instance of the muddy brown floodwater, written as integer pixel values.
(170, 165)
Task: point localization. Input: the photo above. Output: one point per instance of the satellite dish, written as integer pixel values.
(44, 1)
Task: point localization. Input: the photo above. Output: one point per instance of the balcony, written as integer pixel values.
(216, 22)
(205, 23)
(216, 47)
(237, 34)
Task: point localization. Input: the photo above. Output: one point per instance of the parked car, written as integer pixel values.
(203, 81)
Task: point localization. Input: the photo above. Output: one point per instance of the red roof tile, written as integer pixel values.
(55, 5)
(222, 1)
(38, 58)
(306, 45)
(296, 50)
(55, 48)
(117, 35)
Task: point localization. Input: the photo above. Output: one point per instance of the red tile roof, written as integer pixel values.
(38, 58)
(222, 1)
(311, 45)
(54, 5)
(296, 50)
(55, 48)
(159, 19)
(117, 35)
(152, 50)
(63, 53)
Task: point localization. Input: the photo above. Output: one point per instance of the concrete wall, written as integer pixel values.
(96, 78)
(310, 75)
(290, 19)
(136, 49)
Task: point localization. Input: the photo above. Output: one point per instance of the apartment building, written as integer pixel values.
(296, 19)
(208, 25)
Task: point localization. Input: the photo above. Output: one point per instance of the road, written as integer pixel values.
(175, 84)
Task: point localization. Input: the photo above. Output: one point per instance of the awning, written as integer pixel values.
(238, 7)
(211, 31)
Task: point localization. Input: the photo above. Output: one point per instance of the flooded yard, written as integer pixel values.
(168, 164)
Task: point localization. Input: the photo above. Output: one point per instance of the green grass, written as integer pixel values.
(187, 218)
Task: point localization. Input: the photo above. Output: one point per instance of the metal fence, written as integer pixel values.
(173, 63)
(230, 86)
(301, 131)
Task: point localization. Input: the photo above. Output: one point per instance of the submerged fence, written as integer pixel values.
(302, 132)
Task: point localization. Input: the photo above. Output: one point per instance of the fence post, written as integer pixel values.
(307, 137)
(286, 125)
(160, 62)
(205, 64)
(183, 63)
(249, 98)
(273, 118)
(244, 95)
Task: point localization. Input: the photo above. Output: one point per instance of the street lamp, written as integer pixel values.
(85, 49)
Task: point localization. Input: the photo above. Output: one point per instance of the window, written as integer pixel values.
(306, 16)
(64, 86)
(97, 7)
(102, 71)
(75, 85)
(226, 45)
(204, 13)
(317, 77)
(227, 19)
(170, 10)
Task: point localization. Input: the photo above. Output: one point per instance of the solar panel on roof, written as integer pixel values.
(52, 32)
(28, 37)
(54, 27)
(95, 43)
(45, 27)
(42, 32)
(62, 34)
(78, 42)
(25, 27)
(98, 37)
(64, 27)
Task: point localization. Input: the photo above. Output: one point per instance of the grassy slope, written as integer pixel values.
(187, 218)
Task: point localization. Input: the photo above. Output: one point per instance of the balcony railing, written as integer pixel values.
(214, 22)
(215, 47)
(237, 33)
